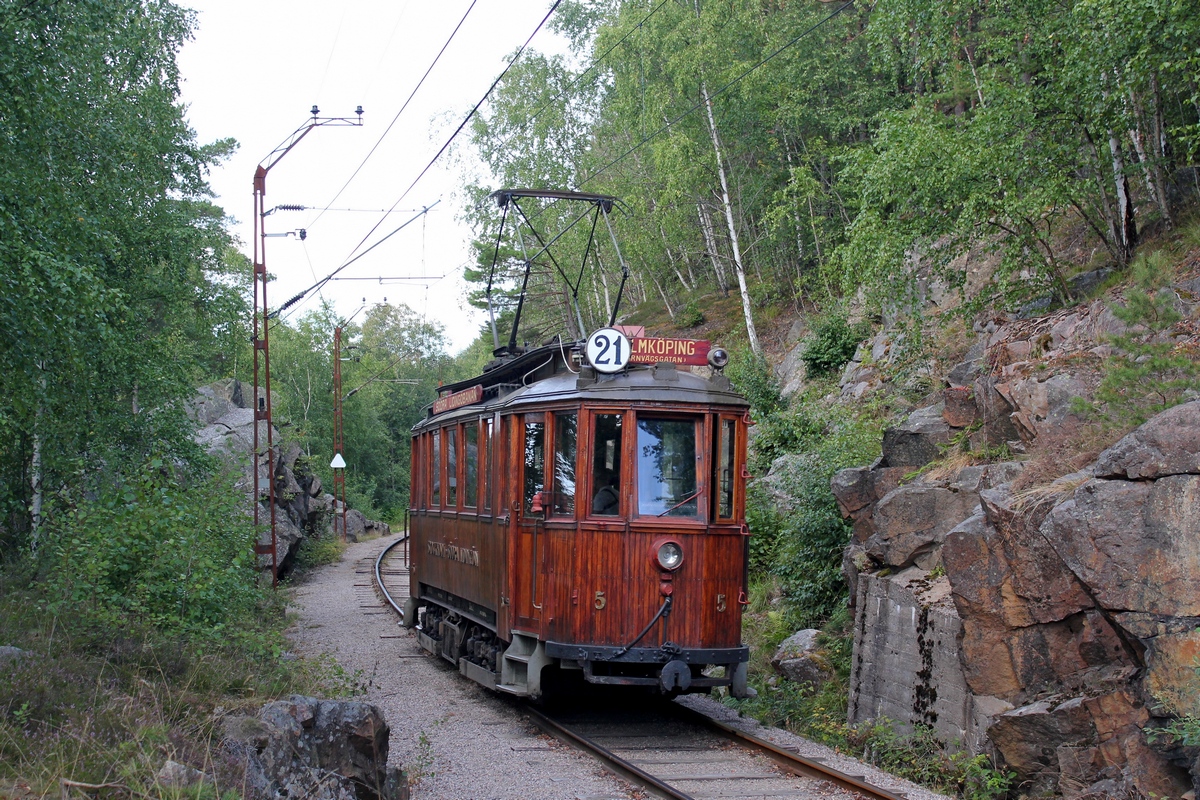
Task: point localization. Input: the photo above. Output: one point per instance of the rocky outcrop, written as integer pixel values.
(303, 747)
(799, 659)
(225, 420)
(1064, 625)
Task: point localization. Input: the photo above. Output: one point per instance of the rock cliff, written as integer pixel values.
(1053, 628)
(226, 418)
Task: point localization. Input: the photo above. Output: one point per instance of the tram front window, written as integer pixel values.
(606, 465)
(666, 468)
(535, 463)
(564, 463)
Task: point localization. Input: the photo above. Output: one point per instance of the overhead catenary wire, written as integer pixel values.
(317, 286)
(355, 255)
(667, 125)
(392, 124)
(470, 115)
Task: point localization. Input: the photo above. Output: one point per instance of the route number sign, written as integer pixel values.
(608, 350)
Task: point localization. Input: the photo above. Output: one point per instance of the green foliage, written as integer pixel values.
(392, 365)
(318, 552)
(102, 704)
(800, 538)
(164, 547)
(753, 377)
(1149, 370)
(119, 285)
(690, 316)
(831, 344)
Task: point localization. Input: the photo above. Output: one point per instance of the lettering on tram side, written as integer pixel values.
(691, 352)
(463, 555)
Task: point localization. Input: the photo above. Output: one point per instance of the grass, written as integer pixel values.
(98, 704)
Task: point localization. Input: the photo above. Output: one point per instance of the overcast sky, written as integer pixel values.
(253, 71)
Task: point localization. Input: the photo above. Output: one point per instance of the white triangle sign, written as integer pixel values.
(338, 462)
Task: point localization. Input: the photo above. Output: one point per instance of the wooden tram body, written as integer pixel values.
(524, 565)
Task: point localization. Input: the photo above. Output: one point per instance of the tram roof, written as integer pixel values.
(525, 380)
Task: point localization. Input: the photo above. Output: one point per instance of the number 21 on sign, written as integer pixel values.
(608, 350)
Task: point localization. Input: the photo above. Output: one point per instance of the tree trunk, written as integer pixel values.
(710, 244)
(751, 334)
(1127, 226)
(603, 282)
(1159, 149)
(1148, 171)
(666, 302)
(35, 474)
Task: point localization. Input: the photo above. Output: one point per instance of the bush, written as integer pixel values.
(1148, 371)
(690, 316)
(156, 549)
(753, 377)
(803, 544)
(831, 344)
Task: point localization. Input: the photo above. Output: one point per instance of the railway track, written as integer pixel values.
(664, 747)
(391, 573)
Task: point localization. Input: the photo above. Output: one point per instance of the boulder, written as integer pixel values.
(858, 487)
(800, 660)
(963, 374)
(10, 654)
(356, 525)
(960, 410)
(1029, 737)
(174, 775)
(994, 411)
(911, 521)
(1136, 544)
(915, 443)
(303, 747)
(1168, 444)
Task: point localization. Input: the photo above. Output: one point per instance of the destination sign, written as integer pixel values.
(450, 402)
(691, 352)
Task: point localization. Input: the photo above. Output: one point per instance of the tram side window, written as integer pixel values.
(565, 428)
(725, 465)
(535, 461)
(470, 463)
(490, 478)
(452, 467)
(435, 474)
(666, 467)
(606, 464)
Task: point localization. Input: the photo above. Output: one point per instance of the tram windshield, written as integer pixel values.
(666, 468)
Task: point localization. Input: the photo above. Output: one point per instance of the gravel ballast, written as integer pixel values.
(454, 738)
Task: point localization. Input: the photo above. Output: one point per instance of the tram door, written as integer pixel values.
(529, 543)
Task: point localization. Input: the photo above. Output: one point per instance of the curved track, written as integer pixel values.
(668, 749)
(391, 574)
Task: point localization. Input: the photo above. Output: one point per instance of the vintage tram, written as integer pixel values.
(578, 511)
(563, 517)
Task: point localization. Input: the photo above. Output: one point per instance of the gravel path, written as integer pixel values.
(455, 739)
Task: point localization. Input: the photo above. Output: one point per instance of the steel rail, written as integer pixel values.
(792, 762)
(379, 574)
(614, 762)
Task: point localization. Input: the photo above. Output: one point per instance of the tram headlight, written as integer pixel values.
(668, 555)
(718, 357)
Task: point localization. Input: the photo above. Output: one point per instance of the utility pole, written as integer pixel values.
(339, 462)
(338, 465)
(262, 358)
